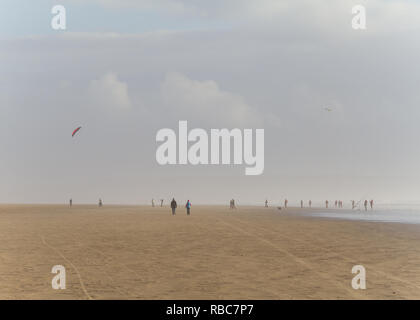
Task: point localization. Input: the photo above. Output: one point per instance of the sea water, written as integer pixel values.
(399, 213)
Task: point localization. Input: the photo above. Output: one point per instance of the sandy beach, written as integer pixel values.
(135, 252)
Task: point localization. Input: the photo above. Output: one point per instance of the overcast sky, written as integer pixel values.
(125, 69)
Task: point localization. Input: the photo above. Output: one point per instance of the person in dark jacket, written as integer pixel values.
(173, 206)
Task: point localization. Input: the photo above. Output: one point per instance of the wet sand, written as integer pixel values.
(128, 252)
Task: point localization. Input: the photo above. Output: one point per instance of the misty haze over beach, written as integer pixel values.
(123, 77)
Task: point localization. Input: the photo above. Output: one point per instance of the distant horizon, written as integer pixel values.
(291, 204)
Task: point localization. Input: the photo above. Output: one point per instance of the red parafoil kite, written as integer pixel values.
(75, 131)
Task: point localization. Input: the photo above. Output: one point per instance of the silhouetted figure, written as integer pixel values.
(371, 204)
(188, 206)
(161, 202)
(326, 204)
(173, 206)
(233, 204)
(301, 203)
(285, 203)
(310, 204)
(352, 204)
(266, 203)
(335, 203)
(366, 204)
(71, 202)
(100, 203)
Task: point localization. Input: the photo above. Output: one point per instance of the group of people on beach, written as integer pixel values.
(153, 202)
(365, 204)
(286, 202)
(337, 204)
(174, 205)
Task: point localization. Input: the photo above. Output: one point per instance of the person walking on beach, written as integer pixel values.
(266, 203)
(371, 204)
(161, 202)
(188, 206)
(366, 204)
(173, 206)
(352, 204)
(153, 203)
(71, 202)
(326, 204)
(100, 202)
(285, 203)
(301, 203)
(310, 204)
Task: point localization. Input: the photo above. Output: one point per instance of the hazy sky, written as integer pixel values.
(125, 69)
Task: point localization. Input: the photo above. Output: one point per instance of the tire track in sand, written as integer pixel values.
(300, 261)
(345, 258)
(72, 265)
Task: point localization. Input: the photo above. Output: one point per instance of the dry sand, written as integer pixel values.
(122, 252)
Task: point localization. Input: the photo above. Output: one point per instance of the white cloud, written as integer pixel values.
(206, 101)
(109, 91)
